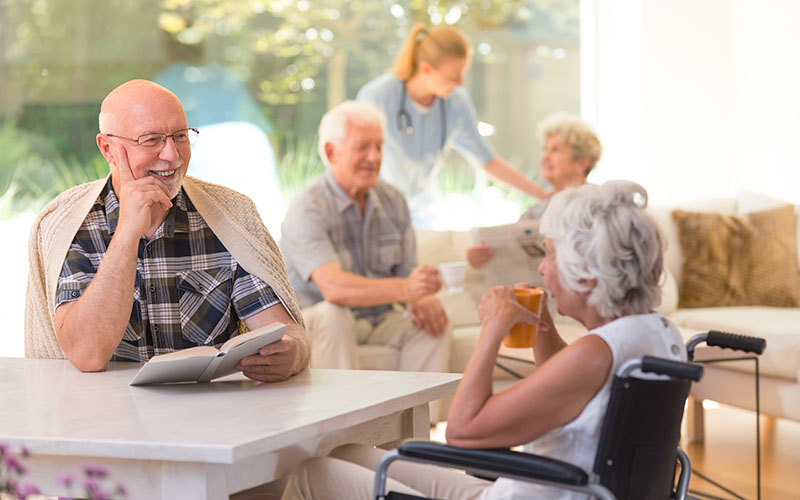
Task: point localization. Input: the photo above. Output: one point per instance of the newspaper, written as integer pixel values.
(518, 251)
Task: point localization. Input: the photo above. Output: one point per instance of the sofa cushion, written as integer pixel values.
(753, 202)
(713, 265)
(731, 260)
(673, 257)
(779, 326)
(437, 247)
(774, 278)
(669, 294)
(461, 307)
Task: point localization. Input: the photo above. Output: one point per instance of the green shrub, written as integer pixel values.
(31, 173)
(299, 165)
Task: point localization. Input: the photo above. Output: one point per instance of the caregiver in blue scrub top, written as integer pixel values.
(428, 110)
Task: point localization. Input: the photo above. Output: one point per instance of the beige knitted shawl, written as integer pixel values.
(230, 215)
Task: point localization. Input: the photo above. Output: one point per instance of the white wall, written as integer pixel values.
(699, 99)
(766, 96)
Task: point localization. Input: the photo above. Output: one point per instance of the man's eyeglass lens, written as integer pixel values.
(187, 135)
(180, 137)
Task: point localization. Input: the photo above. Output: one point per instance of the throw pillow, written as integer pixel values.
(774, 278)
(739, 260)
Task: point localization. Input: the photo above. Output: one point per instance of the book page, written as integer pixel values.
(518, 251)
(205, 351)
(245, 337)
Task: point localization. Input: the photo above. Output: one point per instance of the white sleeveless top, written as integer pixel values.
(628, 337)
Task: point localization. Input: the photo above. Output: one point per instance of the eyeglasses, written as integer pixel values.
(182, 136)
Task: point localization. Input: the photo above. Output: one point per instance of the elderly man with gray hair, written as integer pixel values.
(350, 251)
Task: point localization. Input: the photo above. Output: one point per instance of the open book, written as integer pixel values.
(205, 363)
(518, 251)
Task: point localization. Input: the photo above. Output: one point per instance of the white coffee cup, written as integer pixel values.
(453, 274)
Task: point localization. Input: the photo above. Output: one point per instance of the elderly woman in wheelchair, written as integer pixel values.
(603, 267)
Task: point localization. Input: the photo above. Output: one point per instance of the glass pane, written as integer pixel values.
(255, 77)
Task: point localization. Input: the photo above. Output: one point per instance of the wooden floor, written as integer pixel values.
(728, 455)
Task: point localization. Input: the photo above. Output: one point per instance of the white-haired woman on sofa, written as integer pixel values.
(603, 263)
(571, 151)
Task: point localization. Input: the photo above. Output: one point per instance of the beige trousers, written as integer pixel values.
(349, 473)
(336, 334)
(269, 491)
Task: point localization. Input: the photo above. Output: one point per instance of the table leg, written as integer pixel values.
(193, 481)
(417, 423)
(414, 423)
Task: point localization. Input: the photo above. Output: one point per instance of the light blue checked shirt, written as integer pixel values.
(323, 224)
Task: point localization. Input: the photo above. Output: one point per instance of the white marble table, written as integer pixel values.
(200, 441)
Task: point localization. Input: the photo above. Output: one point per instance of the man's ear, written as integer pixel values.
(104, 145)
(329, 152)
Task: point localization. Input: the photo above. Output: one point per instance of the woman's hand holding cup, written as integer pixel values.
(501, 311)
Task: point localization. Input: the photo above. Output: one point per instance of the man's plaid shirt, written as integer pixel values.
(189, 290)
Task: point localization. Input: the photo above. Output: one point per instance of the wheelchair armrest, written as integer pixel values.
(495, 462)
(678, 369)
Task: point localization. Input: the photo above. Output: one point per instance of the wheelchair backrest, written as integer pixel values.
(640, 435)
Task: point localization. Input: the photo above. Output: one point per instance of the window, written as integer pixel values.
(255, 77)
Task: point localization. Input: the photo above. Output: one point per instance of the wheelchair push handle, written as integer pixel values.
(736, 342)
(673, 368)
(726, 340)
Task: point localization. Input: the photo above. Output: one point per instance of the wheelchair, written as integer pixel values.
(638, 454)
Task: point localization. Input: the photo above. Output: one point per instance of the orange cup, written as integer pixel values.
(523, 334)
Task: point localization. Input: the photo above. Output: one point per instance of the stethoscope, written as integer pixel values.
(402, 114)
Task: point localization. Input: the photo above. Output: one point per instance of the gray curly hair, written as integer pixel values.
(603, 233)
(573, 132)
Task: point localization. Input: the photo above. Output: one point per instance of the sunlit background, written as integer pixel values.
(255, 77)
(691, 99)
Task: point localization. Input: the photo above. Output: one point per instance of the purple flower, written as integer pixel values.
(121, 490)
(95, 471)
(3, 449)
(65, 480)
(91, 485)
(14, 466)
(94, 491)
(27, 490)
(11, 485)
(25, 452)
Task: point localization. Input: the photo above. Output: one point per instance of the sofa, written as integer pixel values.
(730, 383)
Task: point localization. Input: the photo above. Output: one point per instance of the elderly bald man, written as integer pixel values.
(149, 261)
